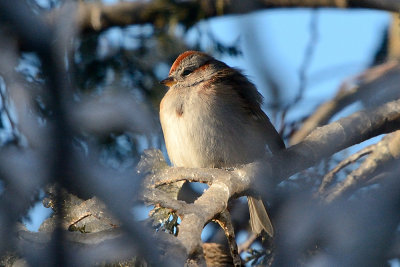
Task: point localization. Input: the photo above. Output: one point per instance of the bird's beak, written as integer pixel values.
(169, 81)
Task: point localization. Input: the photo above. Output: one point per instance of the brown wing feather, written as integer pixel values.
(259, 219)
(251, 101)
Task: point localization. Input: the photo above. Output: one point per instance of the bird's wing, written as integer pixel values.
(251, 100)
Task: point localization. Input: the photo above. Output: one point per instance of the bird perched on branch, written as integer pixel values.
(211, 116)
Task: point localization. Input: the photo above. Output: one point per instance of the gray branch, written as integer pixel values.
(98, 17)
(226, 184)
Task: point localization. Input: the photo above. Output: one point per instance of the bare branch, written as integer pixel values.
(224, 220)
(385, 76)
(305, 64)
(336, 136)
(200, 175)
(227, 184)
(383, 153)
(245, 245)
(328, 178)
(5, 108)
(97, 17)
(164, 200)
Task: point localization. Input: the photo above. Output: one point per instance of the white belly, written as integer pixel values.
(199, 139)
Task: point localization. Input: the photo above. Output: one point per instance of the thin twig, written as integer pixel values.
(245, 246)
(199, 179)
(384, 152)
(308, 55)
(224, 220)
(328, 178)
(6, 110)
(305, 64)
(162, 198)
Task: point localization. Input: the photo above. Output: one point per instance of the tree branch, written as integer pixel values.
(98, 17)
(336, 136)
(227, 184)
(385, 76)
(224, 220)
(383, 153)
(328, 178)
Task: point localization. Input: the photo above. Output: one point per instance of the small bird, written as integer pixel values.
(211, 117)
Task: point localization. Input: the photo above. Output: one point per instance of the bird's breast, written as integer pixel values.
(200, 133)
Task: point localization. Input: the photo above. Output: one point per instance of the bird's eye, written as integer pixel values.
(186, 72)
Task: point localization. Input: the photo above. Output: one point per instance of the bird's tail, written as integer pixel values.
(259, 219)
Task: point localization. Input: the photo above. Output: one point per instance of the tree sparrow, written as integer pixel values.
(211, 116)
